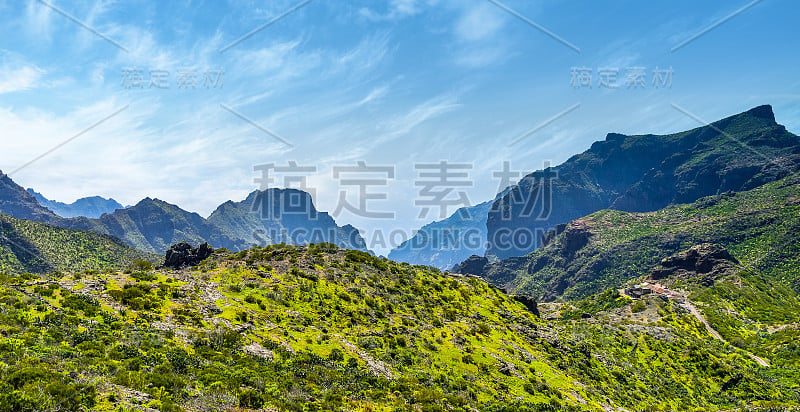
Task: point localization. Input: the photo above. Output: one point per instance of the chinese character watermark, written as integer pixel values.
(358, 176)
(184, 79)
(609, 77)
(438, 185)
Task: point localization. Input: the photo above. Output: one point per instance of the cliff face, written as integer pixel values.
(643, 173)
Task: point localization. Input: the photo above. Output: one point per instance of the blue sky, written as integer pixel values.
(390, 83)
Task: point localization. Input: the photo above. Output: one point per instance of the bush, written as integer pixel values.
(85, 303)
(136, 297)
(142, 266)
(251, 399)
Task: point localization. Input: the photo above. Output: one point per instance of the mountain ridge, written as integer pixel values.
(91, 207)
(644, 173)
(30, 246)
(153, 225)
(607, 248)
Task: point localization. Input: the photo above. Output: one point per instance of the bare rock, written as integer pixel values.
(183, 255)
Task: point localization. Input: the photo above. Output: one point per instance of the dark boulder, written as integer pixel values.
(183, 255)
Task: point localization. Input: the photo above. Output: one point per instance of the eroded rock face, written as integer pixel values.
(529, 303)
(184, 255)
(474, 265)
(705, 261)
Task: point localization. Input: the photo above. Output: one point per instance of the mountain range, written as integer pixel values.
(448, 242)
(92, 207)
(629, 173)
(153, 225)
(608, 248)
(693, 305)
(644, 173)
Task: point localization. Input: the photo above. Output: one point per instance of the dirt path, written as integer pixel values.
(697, 314)
(688, 305)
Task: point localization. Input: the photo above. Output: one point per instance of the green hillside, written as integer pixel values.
(27, 246)
(605, 249)
(318, 328)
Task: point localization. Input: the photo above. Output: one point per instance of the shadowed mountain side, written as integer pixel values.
(643, 173)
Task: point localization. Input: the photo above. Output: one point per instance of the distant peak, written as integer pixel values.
(763, 112)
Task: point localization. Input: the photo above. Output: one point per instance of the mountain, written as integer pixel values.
(282, 216)
(608, 248)
(447, 242)
(643, 173)
(318, 328)
(15, 201)
(92, 207)
(28, 246)
(153, 225)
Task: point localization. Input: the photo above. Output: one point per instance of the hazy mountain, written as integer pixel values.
(154, 225)
(447, 242)
(16, 202)
(643, 173)
(92, 207)
(282, 216)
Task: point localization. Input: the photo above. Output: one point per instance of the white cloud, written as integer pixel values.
(14, 79)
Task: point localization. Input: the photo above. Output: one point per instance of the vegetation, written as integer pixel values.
(322, 328)
(759, 227)
(28, 246)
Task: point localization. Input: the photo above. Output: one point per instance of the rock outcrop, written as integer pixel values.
(474, 265)
(705, 262)
(184, 255)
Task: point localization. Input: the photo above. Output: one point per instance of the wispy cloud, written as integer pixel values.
(38, 19)
(477, 32)
(397, 9)
(14, 79)
(478, 22)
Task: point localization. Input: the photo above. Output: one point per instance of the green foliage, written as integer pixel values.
(35, 247)
(608, 300)
(88, 304)
(136, 297)
(370, 334)
(639, 306)
(758, 227)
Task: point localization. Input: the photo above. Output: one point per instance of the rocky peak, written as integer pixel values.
(763, 112)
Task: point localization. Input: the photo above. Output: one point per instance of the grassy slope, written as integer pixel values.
(28, 246)
(759, 227)
(757, 308)
(302, 328)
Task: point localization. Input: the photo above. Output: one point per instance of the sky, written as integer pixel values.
(181, 100)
